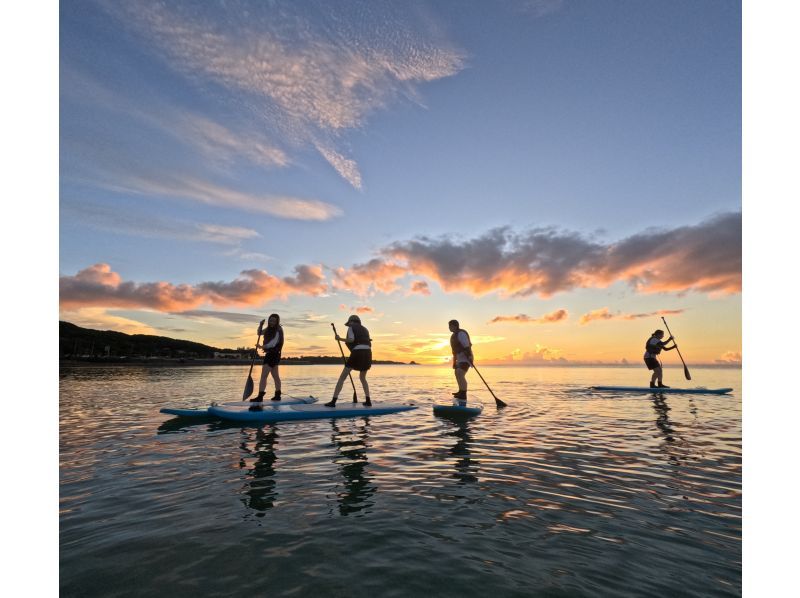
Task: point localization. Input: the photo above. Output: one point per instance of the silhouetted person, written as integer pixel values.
(652, 348)
(272, 345)
(461, 346)
(360, 345)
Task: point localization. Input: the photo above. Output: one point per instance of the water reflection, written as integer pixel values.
(466, 467)
(675, 447)
(350, 441)
(260, 478)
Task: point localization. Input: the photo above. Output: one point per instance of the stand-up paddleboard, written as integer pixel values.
(454, 409)
(697, 390)
(203, 412)
(278, 413)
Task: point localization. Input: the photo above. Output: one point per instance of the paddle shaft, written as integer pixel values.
(248, 386)
(345, 360)
(685, 369)
(498, 402)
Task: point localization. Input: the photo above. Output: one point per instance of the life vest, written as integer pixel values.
(270, 333)
(652, 348)
(455, 344)
(360, 336)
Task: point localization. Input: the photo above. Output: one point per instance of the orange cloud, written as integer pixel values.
(98, 285)
(420, 287)
(557, 316)
(703, 258)
(604, 314)
(365, 279)
(732, 357)
(539, 354)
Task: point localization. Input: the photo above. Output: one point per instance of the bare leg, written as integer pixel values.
(340, 383)
(657, 375)
(363, 377)
(262, 384)
(461, 378)
(277, 378)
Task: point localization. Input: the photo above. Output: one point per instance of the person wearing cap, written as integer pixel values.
(360, 345)
(273, 343)
(652, 348)
(461, 345)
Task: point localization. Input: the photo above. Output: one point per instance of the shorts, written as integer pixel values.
(272, 359)
(652, 363)
(461, 365)
(360, 360)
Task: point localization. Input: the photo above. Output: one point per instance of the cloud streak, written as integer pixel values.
(604, 314)
(560, 315)
(311, 78)
(210, 193)
(130, 222)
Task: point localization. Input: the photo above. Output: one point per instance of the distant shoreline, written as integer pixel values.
(189, 362)
(240, 362)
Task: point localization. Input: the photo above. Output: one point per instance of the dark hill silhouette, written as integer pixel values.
(85, 344)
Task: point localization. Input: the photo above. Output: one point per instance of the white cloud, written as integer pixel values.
(310, 78)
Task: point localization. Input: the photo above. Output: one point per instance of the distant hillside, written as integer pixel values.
(75, 341)
(84, 344)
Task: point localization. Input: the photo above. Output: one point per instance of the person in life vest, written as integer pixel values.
(461, 346)
(652, 348)
(272, 345)
(360, 345)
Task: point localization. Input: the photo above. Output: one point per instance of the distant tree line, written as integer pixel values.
(76, 342)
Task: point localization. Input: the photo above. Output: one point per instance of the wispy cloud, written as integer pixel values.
(537, 8)
(605, 314)
(226, 316)
(220, 144)
(207, 192)
(113, 219)
(309, 78)
(360, 309)
(559, 315)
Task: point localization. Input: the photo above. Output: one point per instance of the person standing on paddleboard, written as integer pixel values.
(360, 345)
(652, 348)
(461, 346)
(273, 343)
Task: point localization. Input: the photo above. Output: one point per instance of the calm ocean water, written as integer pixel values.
(564, 493)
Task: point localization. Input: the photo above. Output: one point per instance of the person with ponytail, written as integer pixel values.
(272, 345)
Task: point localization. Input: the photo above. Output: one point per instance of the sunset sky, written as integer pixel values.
(557, 175)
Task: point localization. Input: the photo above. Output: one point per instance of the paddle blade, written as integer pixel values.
(499, 403)
(248, 388)
(686, 372)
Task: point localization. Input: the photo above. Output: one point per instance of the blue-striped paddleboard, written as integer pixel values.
(454, 409)
(700, 390)
(203, 411)
(278, 413)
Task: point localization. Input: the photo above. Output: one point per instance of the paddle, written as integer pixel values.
(355, 398)
(496, 400)
(685, 369)
(248, 386)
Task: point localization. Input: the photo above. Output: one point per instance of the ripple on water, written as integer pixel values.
(563, 493)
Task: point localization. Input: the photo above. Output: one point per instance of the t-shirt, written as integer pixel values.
(464, 356)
